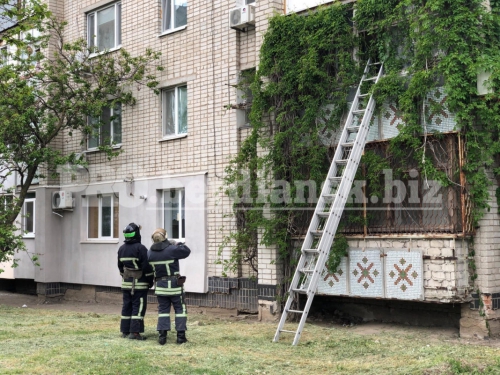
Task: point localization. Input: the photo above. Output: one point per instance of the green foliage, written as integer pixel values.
(307, 66)
(306, 63)
(54, 85)
(337, 252)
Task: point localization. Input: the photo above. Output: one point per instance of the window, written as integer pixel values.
(174, 213)
(249, 1)
(104, 28)
(110, 130)
(174, 14)
(103, 216)
(174, 111)
(28, 215)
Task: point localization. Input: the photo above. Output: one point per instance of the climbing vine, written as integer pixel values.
(300, 94)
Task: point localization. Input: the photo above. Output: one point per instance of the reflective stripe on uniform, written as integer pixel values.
(184, 312)
(168, 290)
(164, 315)
(141, 306)
(163, 262)
(126, 317)
(134, 260)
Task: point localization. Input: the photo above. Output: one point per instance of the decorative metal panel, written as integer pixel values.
(336, 283)
(366, 273)
(404, 274)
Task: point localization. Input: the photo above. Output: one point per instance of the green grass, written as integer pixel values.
(35, 341)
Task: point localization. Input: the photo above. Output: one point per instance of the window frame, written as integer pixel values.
(100, 237)
(24, 218)
(92, 39)
(164, 30)
(100, 141)
(176, 133)
(181, 200)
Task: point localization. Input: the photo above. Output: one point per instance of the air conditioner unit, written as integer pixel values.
(62, 200)
(242, 17)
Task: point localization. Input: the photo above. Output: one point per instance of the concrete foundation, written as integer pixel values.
(269, 311)
(472, 324)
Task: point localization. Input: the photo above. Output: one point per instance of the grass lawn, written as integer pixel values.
(38, 341)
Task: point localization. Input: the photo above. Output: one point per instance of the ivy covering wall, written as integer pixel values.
(308, 63)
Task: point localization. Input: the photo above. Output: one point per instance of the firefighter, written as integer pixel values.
(164, 257)
(137, 278)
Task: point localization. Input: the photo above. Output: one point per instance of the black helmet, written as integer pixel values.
(132, 232)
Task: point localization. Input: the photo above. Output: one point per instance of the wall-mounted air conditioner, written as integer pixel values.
(62, 200)
(242, 17)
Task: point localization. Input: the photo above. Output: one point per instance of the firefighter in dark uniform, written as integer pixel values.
(137, 278)
(164, 258)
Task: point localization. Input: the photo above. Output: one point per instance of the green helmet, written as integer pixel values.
(131, 232)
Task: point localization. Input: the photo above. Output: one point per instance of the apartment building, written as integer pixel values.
(174, 150)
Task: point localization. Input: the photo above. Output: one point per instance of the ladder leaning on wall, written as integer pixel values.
(335, 192)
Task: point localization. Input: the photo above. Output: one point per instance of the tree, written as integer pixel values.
(54, 86)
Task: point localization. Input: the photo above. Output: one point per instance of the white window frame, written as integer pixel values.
(99, 217)
(164, 30)
(92, 37)
(176, 134)
(111, 130)
(27, 201)
(182, 208)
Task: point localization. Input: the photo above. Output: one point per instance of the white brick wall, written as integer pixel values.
(208, 56)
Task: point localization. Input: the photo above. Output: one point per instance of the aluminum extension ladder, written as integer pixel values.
(335, 192)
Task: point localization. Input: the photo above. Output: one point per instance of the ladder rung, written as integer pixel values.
(303, 291)
(353, 129)
(348, 144)
(342, 162)
(306, 271)
(363, 95)
(375, 63)
(358, 111)
(317, 233)
(295, 311)
(370, 79)
(312, 251)
(286, 331)
(323, 215)
(335, 179)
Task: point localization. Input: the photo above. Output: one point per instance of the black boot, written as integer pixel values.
(125, 334)
(136, 336)
(162, 337)
(181, 337)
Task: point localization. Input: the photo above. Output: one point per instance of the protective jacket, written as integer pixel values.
(132, 254)
(164, 258)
